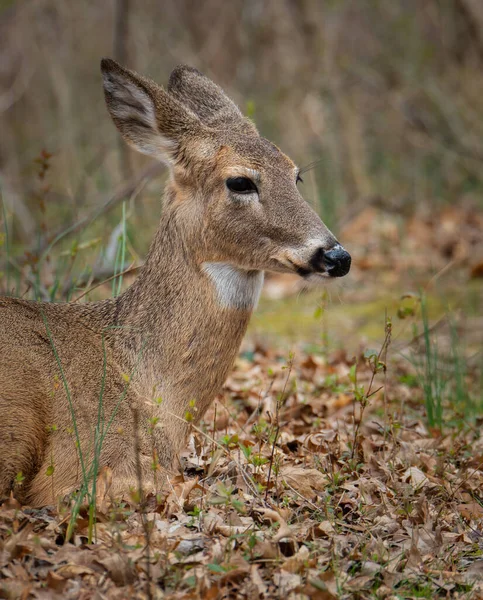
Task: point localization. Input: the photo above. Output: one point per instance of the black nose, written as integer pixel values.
(337, 261)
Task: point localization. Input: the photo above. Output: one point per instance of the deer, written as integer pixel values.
(164, 347)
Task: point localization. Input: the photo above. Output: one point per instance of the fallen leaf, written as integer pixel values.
(415, 477)
(70, 571)
(179, 495)
(55, 581)
(307, 482)
(471, 510)
(296, 563)
(286, 582)
(103, 485)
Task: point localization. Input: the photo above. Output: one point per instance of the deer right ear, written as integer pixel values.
(148, 118)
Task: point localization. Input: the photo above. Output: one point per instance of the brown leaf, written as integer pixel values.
(295, 563)
(258, 586)
(323, 529)
(120, 569)
(13, 547)
(415, 477)
(71, 571)
(286, 582)
(179, 495)
(11, 503)
(305, 481)
(324, 587)
(477, 270)
(55, 581)
(471, 510)
(284, 531)
(103, 485)
(238, 569)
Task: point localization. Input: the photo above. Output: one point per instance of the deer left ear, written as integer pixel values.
(149, 119)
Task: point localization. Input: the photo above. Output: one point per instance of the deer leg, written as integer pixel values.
(22, 440)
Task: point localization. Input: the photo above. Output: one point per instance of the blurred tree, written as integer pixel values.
(121, 54)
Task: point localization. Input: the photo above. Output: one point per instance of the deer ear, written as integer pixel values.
(149, 119)
(206, 100)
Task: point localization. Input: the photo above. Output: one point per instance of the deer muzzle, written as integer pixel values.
(336, 262)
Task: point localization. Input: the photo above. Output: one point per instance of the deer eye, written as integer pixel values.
(241, 185)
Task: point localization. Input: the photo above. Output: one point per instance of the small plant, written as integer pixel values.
(377, 363)
(464, 401)
(441, 374)
(190, 414)
(119, 263)
(195, 514)
(432, 378)
(19, 479)
(276, 428)
(253, 458)
(230, 441)
(224, 497)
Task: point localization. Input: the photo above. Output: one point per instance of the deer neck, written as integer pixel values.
(183, 320)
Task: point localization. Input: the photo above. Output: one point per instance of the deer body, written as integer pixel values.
(166, 345)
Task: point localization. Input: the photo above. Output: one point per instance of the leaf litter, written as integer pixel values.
(297, 484)
(388, 509)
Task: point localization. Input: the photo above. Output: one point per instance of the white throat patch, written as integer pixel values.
(236, 288)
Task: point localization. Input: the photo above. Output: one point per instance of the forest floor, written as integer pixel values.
(344, 458)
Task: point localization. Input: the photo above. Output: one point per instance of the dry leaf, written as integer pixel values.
(307, 482)
(297, 562)
(415, 477)
(471, 510)
(55, 581)
(179, 495)
(286, 582)
(120, 569)
(103, 485)
(70, 571)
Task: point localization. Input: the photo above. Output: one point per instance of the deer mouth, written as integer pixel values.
(288, 265)
(307, 272)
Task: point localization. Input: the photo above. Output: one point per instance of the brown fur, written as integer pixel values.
(169, 335)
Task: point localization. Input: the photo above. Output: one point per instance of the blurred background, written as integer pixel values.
(383, 101)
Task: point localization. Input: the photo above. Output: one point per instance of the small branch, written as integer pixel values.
(103, 277)
(370, 392)
(277, 430)
(117, 197)
(142, 503)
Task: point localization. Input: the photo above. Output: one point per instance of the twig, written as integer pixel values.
(126, 191)
(277, 429)
(142, 502)
(130, 269)
(220, 446)
(364, 399)
(309, 502)
(261, 399)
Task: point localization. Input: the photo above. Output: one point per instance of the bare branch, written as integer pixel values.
(114, 199)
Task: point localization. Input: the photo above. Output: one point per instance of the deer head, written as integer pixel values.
(232, 193)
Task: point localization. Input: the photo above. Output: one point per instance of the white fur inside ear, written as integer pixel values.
(129, 100)
(135, 115)
(235, 288)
